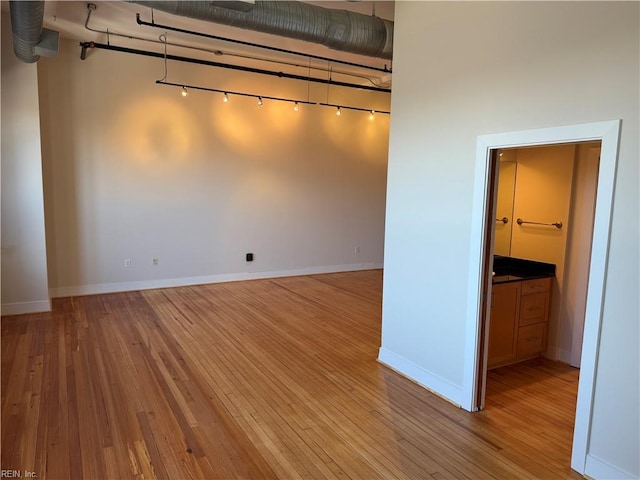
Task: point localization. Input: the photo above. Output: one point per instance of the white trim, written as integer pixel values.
(595, 293)
(187, 281)
(608, 133)
(601, 470)
(20, 308)
(425, 378)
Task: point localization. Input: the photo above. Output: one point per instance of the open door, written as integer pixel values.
(486, 297)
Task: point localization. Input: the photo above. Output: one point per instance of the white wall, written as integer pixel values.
(134, 170)
(464, 69)
(24, 261)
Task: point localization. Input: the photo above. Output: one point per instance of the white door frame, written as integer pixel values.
(608, 132)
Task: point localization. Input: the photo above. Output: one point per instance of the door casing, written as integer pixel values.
(608, 133)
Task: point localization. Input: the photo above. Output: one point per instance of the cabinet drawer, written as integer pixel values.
(531, 339)
(533, 308)
(536, 286)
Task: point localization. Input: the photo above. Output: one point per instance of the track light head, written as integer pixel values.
(338, 111)
(296, 107)
(184, 91)
(260, 102)
(225, 98)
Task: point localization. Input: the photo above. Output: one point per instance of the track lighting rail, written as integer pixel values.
(257, 45)
(226, 93)
(178, 58)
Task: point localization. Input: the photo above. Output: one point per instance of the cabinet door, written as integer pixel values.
(503, 324)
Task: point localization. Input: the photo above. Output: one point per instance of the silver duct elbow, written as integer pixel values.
(26, 23)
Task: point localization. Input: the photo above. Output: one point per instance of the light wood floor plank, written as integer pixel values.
(262, 379)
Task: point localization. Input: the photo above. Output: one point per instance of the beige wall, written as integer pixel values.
(553, 184)
(577, 259)
(135, 170)
(507, 170)
(24, 261)
(466, 69)
(543, 194)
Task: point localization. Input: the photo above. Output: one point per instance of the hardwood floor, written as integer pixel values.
(261, 379)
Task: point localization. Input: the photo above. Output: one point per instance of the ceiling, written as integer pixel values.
(119, 19)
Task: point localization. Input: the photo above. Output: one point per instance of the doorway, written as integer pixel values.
(554, 188)
(534, 334)
(480, 273)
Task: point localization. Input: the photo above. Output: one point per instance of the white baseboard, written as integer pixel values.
(600, 470)
(76, 290)
(25, 307)
(432, 382)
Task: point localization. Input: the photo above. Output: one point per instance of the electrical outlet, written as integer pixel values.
(127, 263)
(154, 262)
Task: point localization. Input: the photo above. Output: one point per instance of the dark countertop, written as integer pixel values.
(519, 278)
(509, 269)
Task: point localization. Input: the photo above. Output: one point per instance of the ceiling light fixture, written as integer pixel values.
(296, 107)
(261, 98)
(373, 112)
(184, 91)
(225, 99)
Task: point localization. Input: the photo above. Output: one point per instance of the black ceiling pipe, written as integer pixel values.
(209, 63)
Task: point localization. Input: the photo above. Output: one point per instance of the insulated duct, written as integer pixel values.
(30, 39)
(26, 25)
(337, 29)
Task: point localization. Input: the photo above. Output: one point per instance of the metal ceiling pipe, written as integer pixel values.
(337, 29)
(26, 24)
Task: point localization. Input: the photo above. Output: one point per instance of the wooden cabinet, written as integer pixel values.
(503, 327)
(519, 321)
